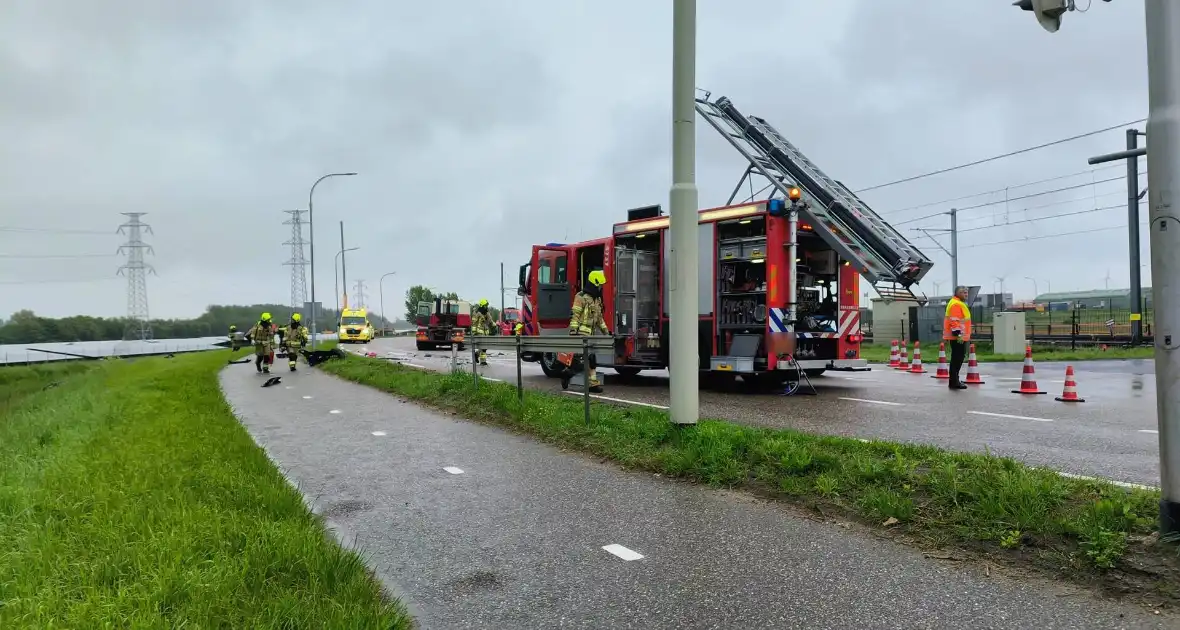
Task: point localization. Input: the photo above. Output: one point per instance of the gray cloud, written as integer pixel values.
(479, 130)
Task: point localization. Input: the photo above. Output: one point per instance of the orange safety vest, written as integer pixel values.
(958, 317)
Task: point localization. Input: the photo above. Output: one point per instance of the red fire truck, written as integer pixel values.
(779, 279)
(442, 322)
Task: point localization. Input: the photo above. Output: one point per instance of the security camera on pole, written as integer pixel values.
(1163, 173)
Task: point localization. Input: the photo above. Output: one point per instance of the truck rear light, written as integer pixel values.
(856, 338)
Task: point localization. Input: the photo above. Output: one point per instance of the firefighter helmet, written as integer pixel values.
(597, 278)
(266, 317)
(296, 317)
(483, 302)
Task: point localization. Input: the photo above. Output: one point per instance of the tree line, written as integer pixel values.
(27, 327)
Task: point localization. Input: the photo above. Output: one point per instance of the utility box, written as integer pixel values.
(1008, 333)
(891, 320)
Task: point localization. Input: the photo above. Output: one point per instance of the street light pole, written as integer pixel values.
(1163, 175)
(343, 265)
(1036, 291)
(684, 355)
(336, 278)
(381, 292)
(311, 246)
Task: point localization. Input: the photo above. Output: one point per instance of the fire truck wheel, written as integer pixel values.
(628, 372)
(816, 372)
(550, 366)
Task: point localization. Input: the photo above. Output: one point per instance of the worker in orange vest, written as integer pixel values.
(956, 330)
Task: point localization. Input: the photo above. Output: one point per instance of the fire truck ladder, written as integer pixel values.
(885, 258)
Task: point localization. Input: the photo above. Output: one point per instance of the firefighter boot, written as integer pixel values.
(592, 380)
(258, 364)
(291, 364)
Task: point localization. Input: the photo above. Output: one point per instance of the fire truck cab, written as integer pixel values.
(778, 281)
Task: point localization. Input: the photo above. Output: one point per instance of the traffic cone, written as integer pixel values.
(1070, 394)
(1028, 379)
(903, 364)
(894, 356)
(916, 366)
(944, 370)
(973, 377)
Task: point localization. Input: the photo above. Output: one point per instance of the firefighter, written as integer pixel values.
(481, 324)
(263, 336)
(235, 344)
(586, 319)
(956, 329)
(294, 339)
(518, 329)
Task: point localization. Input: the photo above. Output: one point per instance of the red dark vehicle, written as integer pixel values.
(442, 323)
(779, 279)
(508, 319)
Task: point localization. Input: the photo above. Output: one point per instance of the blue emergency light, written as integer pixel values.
(776, 207)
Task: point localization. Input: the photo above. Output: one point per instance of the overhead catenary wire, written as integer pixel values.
(1045, 236)
(1046, 218)
(52, 256)
(8, 228)
(997, 191)
(1002, 156)
(1011, 199)
(63, 281)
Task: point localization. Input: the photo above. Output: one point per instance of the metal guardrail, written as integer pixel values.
(534, 343)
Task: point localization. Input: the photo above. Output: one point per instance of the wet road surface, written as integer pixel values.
(479, 528)
(1112, 435)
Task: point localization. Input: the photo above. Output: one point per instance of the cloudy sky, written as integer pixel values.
(481, 128)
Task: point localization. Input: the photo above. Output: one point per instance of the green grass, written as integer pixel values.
(20, 382)
(974, 501)
(131, 497)
(879, 353)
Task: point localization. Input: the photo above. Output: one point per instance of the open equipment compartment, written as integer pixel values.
(741, 295)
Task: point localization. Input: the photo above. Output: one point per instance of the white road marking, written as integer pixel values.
(307, 398)
(334, 411)
(453, 470)
(622, 552)
(379, 433)
(872, 402)
(488, 378)
(858, 378)
(618, 400)
(1121, 484)
(863, 440)
(288, 387)
(1148, 431)
(1006, 415)
(415, 365)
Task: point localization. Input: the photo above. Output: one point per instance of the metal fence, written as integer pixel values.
(1076, 326)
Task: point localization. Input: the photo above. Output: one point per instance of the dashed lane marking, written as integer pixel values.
(379, 433)
(334, 411)
(623, 552)
(1008, 415)
(618, 400)
(453, 470)
(872, 402)
(1148, 431)
(307, 398)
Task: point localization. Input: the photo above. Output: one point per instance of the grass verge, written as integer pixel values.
(879, 353)
(130, 496)
(995, 506)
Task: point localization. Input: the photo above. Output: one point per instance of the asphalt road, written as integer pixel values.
(479, 528)
(1112, 435)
